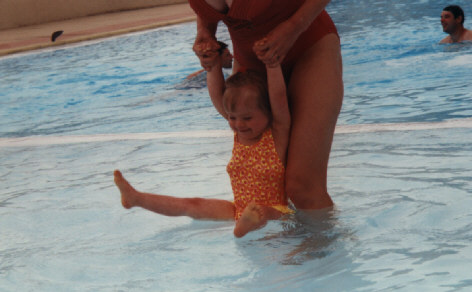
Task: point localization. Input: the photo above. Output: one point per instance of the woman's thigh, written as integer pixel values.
(316, 93)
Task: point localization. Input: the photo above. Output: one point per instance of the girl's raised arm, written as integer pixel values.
(216, 84)
(280, 110)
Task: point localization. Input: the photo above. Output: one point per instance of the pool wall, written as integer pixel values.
(15, 13)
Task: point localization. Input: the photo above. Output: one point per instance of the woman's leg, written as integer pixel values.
(316, 92)
(197, 208)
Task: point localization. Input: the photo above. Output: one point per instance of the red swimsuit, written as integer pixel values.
(250, 20)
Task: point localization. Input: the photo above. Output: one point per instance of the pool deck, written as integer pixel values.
(92, 27)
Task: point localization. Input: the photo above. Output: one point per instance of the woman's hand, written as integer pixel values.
(275, 46)
(260, 48)
(206, 49)
(280, 40)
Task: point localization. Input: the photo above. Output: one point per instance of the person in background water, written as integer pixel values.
(259, 116)
(452, 21)
(226, 60)
(302, 36)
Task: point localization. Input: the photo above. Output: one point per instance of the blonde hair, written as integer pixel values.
(235, 84)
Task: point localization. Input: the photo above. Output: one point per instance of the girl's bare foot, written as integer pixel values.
(254, 217)
(128, 193)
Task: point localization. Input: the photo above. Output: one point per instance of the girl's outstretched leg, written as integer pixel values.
(197, 208)
(254, 217)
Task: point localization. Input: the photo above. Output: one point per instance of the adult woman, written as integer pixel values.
(300, 33)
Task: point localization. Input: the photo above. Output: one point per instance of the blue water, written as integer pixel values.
(400, 171)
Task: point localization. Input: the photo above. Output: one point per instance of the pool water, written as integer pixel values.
(400, 171)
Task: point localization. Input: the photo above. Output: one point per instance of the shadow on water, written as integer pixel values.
(296, 239)
(305, 236)
(305, 251)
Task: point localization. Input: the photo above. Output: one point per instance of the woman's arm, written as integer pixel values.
(281, 39)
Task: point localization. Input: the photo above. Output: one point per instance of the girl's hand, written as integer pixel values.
(274, 47)
(206, 49)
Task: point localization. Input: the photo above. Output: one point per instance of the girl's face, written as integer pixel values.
(247, 119)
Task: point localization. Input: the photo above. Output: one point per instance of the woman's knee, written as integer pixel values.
(297, 187)
(307, 192)
(291, 189)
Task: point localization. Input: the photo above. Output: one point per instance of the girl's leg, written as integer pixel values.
(197, 208)
(316, 92)
(254, 217)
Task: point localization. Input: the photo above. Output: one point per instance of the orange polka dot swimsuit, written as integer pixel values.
(257, 174)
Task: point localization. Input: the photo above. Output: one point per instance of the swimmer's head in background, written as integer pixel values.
(222, 48)
(226, 56)
(456, 11)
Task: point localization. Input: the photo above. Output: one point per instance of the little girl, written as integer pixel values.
(260, 119)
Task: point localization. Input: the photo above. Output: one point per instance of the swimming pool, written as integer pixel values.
(400, 171)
